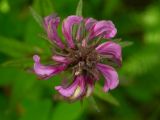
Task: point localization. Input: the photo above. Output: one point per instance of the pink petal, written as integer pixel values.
(80, 32)
(51, 24)
(90, 86)
(73, 91)
(60, 59)
(46, 71)
(111, 76)
(67, 92)
(67, 28)
(104, 28)
(89, 23)
(112, 49)
(80, 90)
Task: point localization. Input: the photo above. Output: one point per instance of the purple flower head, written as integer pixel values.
(83, 53)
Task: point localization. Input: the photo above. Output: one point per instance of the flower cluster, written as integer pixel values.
(83, 53)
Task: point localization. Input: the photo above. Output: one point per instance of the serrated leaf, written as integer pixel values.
(79, 8)
(98, 92)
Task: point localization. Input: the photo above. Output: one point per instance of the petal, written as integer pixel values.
(67, 28)
(46, 71)
(80, 33)
(67, 92)
(90, 86)
(111, 76)
(112, 49)
(84, 43)
(51, 24)
(73, 91)
(89, 23)
(60, 59)
(104, 28)
(80, 90)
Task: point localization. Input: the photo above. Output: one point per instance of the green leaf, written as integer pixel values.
(116, 40)
(94, 104)
(33, 30)
(126, 43)
(46, 7)
(79, 8)
(36, 110)
(37, 17)
(19, 63)
(23, 84)
(67, 111)
(14, 48)
(142, 61)
(6, 74)
(78, 13)
(98, 92)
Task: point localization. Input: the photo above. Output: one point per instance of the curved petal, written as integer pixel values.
(89, 23)
(80, 33)
(51, 24)
(80, 91)
(74, 91)
(110, 75)
(112, 49)
(104, 28)
(67, 28)
(69, 91)
(60, 59)
(90, 86)
(46, 71)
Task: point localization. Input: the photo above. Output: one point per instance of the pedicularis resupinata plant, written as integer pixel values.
(82, 53)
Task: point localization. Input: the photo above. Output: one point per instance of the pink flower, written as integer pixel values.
(82, 53)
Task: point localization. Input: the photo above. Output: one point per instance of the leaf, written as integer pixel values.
(79, 8)
(36, 110)
(14, 48)
(46, 7)
(33, 30)
(78, 13)
(116, 40)
(6, 74)
(37, 17)
(67, 111)
(141, 61)
(104, 96)
(93, 102)
(126, 43)
(19, 63)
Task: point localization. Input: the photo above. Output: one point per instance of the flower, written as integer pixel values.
(83, 53)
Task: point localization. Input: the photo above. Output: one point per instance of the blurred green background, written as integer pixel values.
(23, 97)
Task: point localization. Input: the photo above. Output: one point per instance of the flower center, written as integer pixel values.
(83, 59)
